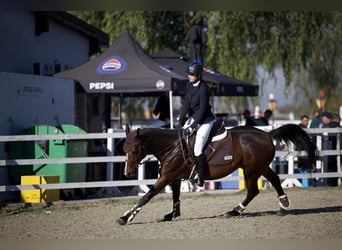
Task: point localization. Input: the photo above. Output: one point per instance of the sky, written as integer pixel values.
(274, 88)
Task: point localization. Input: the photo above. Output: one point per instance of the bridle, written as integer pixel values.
(140, 147)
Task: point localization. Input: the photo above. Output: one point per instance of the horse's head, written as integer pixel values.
(135, 152)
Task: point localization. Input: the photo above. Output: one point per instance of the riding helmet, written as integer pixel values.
(194, 69)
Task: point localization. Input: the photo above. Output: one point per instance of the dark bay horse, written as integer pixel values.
(253, 151)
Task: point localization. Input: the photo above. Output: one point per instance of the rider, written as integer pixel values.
(197, 104)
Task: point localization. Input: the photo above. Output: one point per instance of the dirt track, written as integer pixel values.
(315, 213)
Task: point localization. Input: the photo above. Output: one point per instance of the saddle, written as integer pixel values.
(219, 148)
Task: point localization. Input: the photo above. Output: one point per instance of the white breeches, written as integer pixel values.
(201, 136)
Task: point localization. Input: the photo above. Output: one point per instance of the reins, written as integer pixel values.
(160, 152)
(181, 146)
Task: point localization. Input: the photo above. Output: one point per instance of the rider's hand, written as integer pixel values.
(187, 131)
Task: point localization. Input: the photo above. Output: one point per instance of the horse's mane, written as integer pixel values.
(157, 138)
(155, 133)
(159, 130)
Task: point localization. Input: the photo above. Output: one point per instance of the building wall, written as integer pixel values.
(29, 100)
(20, 48)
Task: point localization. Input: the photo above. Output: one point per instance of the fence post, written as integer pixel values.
(110, 152)
(338, 158)
(291, 181)
(109, 167)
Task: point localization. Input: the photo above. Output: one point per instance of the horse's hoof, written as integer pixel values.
(121, 221)
(169, 217)
(232, 213)
(281, 212)
(284, 202)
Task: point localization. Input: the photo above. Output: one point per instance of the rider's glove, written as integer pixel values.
(187, 131)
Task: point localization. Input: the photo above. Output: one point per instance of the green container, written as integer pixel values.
(75, 172)
(49, 149)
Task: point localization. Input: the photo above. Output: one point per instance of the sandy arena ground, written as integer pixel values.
(315, 213)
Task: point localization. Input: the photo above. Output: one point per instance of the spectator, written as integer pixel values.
(304, 121)
(161, 110)
(249, 121)
(332, 159)
(327, 144)
(264, 121)
(316, 120)
(303, 161)
(146, 108)
(336, 120)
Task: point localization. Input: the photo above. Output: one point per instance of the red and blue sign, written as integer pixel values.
(112, 65)
(160, 84)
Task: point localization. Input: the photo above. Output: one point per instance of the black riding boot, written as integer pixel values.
(201, 161)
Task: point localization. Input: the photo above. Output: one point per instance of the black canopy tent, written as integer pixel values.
(125, 69)
(222, 85)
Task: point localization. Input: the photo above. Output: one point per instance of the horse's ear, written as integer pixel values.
(138, 132)
(127, 129)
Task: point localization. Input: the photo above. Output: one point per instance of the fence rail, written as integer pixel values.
(290, 179)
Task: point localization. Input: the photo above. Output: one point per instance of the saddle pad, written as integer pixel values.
(220, 152)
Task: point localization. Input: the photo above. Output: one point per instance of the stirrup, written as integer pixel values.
(193, 175)
(196, 182)
(193, 179)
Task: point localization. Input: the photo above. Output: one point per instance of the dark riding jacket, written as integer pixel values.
(197, 104)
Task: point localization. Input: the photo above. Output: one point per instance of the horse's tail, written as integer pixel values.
(295, 134)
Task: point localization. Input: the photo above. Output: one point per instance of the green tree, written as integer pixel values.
(305, 44)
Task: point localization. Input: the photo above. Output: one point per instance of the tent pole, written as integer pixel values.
(171, 109)
(120, 112)
(106, 122)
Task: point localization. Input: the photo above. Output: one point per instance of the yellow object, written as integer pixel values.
(39, 195)
(242, 182)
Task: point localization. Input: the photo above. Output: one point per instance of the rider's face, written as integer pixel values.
(192, 78)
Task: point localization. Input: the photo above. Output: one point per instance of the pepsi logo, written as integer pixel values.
(160, 84)
(111, 65)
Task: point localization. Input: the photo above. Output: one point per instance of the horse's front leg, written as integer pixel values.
(130, 214)
(175, 212)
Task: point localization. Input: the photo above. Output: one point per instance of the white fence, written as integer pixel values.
(290, 179)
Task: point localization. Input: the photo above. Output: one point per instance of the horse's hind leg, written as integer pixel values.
(175, 212)
(275, 181)
(252, 191)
